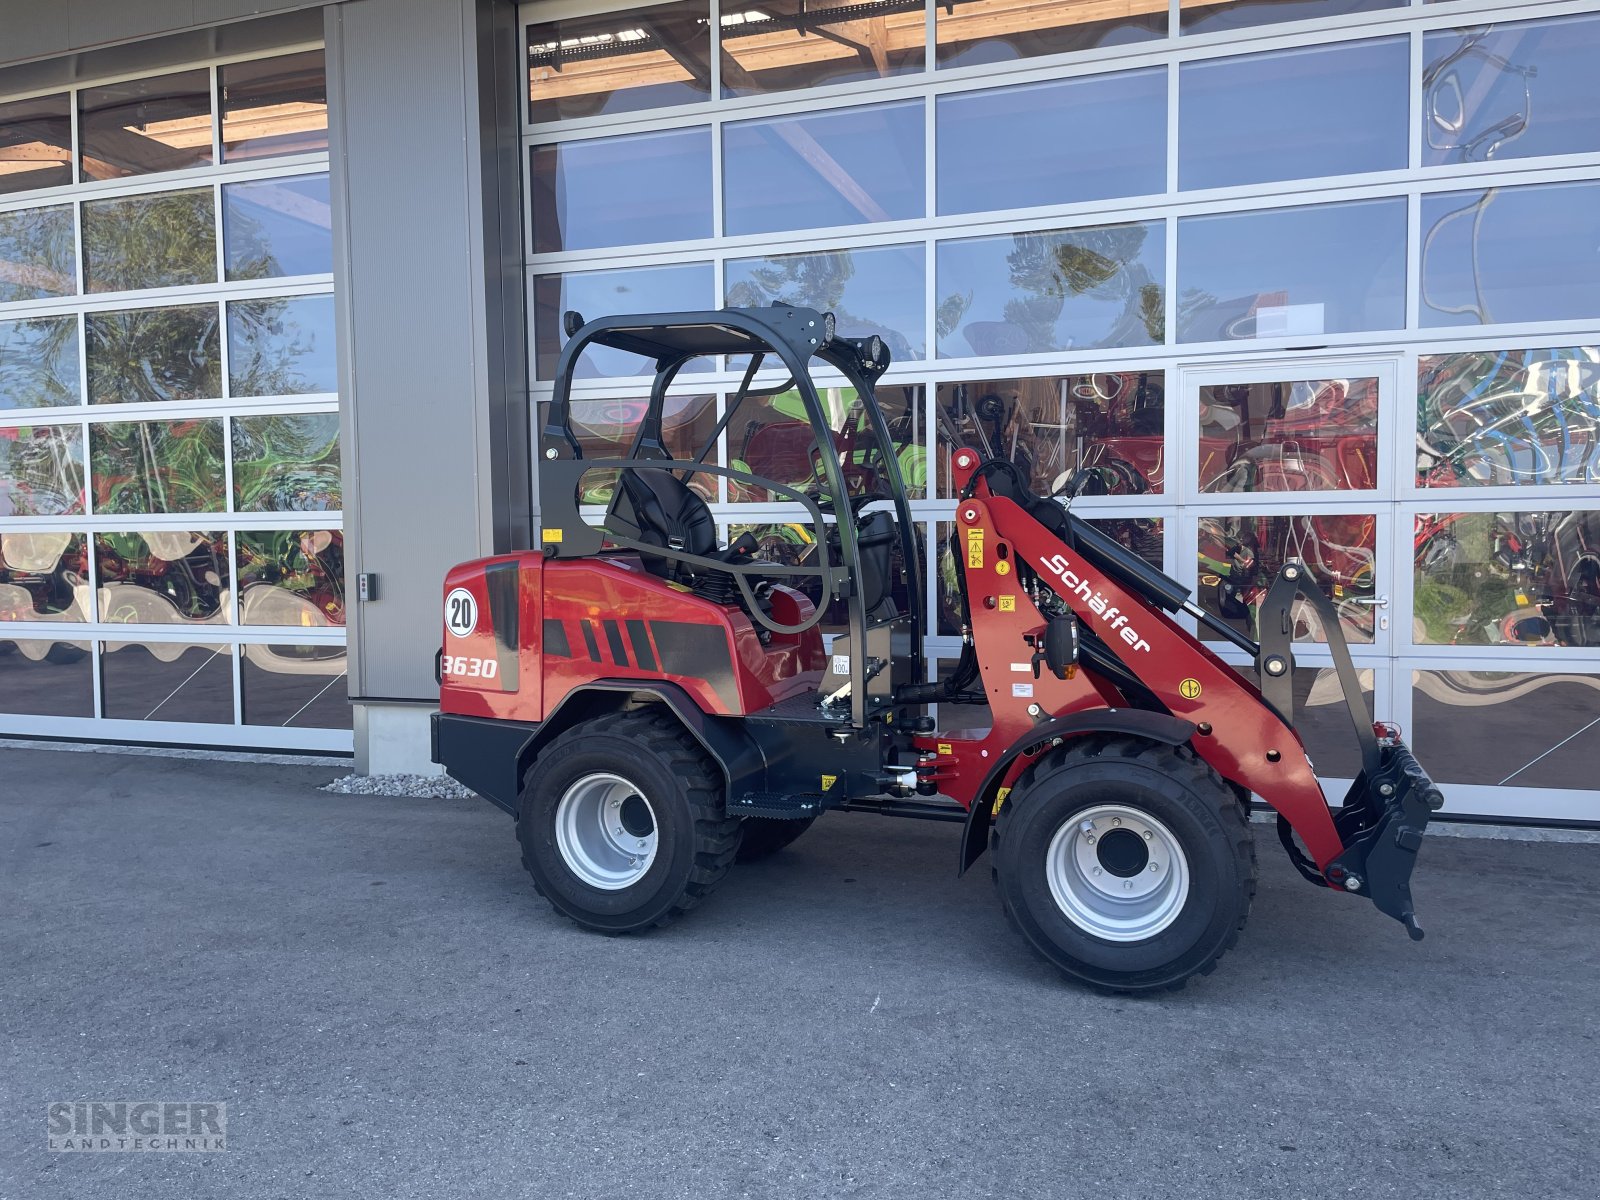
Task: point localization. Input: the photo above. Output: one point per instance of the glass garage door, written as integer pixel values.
(171, 562)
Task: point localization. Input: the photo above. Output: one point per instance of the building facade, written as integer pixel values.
(1312, 278)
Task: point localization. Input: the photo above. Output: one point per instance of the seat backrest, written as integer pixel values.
(656, 507)
(875, 540)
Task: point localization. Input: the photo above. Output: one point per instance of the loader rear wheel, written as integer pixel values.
(1126, 863)
(622, 825)
(765, 836)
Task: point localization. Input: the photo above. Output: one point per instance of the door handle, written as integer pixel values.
(1371, 601)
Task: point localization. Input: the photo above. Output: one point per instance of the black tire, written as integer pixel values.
(765, 836)
(696, 841)
(1176, 788)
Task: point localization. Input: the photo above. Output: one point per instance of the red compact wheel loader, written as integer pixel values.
(651, 705)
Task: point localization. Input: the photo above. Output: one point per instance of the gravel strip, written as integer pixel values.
(426, 787)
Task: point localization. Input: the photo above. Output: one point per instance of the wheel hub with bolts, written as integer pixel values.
(606, 832)
(1117, 873)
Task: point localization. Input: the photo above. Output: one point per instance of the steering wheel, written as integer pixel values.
(857, 503)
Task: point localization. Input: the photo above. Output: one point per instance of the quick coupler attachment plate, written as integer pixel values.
(1383, 821)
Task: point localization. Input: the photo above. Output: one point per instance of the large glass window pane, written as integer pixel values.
(1299, 435)
(1228, 15)
(1074, 289)
(291, 577)
(145, 125)
(1321, 719)
(288, 462)
(150, 355)
(1053, 143)
(41, 470)
(164, 577)
(972, 32)
(1241, 555)
(295, 686)
(606, 429)
(648, 187)
(274, 106)
(36, 143)
(167, 681)
(277, 227)
(869, 291)
(168, 239)
(44, 576)
(772, 45)
(1507, 579)
(37, 251)
(1293, 114)
(850, 167)
(41, 678)
(1510, 91)
(1511, 255)
(1331, 268)
(1108, 424)
(676, 288)
(281, 347)
(39, 362)
(1505, 417)
(617, 62)
(157, 466)
(1507, 728)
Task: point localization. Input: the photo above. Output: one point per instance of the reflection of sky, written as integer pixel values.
(883, 293)
(33, 374)
(1294, 114)
(787, 173)
(1558, 103)
(301, 342)
(1053, 143)
(678, 288)
(278, 227)
(1532, 252)
(1242, 14)
(620, 191)
(1350, 258)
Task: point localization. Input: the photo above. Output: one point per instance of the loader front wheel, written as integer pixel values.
(622, 822)
(1128, 864)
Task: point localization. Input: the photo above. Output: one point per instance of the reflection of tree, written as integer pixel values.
(286, 463)
(36, 252)
(157, 466)
(268, 341)
(1050, 268)
(151, 355)
(815, 281)
(38, 362)
(41, 470)
(163, 240)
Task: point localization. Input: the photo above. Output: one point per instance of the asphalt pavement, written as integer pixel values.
(387, 1009)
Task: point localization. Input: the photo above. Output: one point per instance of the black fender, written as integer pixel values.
(491, 756)
(1137, 722)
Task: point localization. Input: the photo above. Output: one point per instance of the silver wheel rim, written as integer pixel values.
(606, 832)
(1089, 867)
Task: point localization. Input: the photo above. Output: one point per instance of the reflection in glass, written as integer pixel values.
(167, 681)
(41, 470)
(1294, 114)
(157, 466)
(277, 227)
(274, 106)
(1064, 142)
(1229, 15)
(287, 462)
(606, 429)
(1329, 268)
(1305, 435)
(295, 686)
(1321, 718)
(876, 291)
(617, 191)
(1503, 417)
(281, 347)
(1510, 91)
(166, 239)
(617, 62)
(1240, 557)
(44, 576)
(772, 45)
(1108, 424)
(145, 125)
(677, 288)
(151, 355)
(291, 577)
(38, 362)
(163, 577)
(1507, 579)
(1507, 728)
(42, 678)
(1027, 293)
(849, 167)
(972, 32)
(35, 143)
(1511, 255)
(36, 254)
